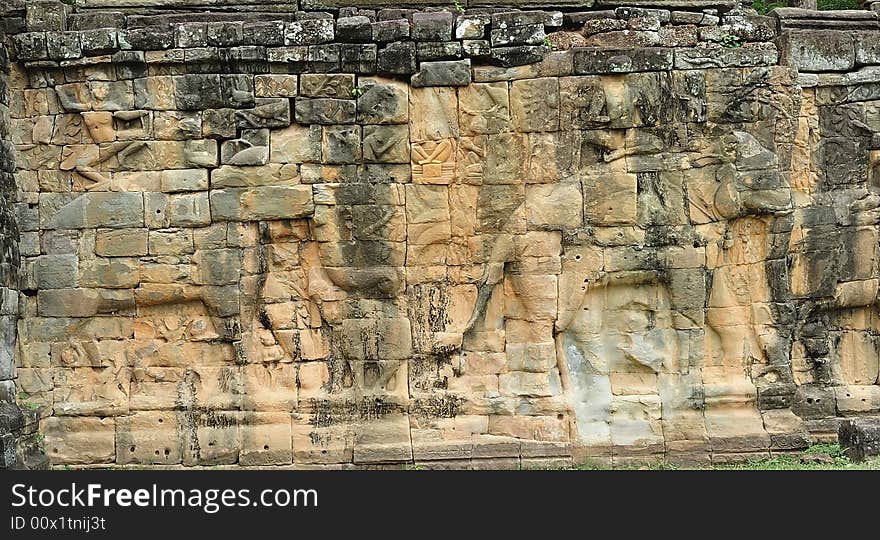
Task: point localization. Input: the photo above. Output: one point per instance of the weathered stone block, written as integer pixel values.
(446, 73)
(325, 111)
(432, 26)
(275, 86)
(316, 85)
(90, 210)
(341, 144)
(600, 60)
(391, 30)
(386, 144)
(860, 437)
(357, 29)
(518, 55)
(296, 144)
(817, 50)
(84, 302)
(397, 58)
(282, 202)
(252, 148)
(324, 58)
(309, 32)
(63, 45)
(74, 440)
(266, 439)
(471, 26)
(56, 271)
(535, 104)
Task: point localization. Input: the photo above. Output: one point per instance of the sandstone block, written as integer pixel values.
(91, 210)
(84, 302)
(550, 206)
(184, 180)
(266, 86)
(80, 440)
(325, 111)
(270, 202)
(266, 439)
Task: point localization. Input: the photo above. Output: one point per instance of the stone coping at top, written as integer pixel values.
(438, 47)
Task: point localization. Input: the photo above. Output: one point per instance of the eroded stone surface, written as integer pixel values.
(277, 243)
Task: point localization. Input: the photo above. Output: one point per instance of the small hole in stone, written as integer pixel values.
(212, 443)
(167, 451)
(157, 452)
(848, 395)
(809, 400)
(161, 420)
(131, 449)
(577, 257)
(265, 447)
(323, 451)
(559, 417)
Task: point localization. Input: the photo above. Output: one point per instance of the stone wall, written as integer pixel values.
(20, 446)
(479, 239)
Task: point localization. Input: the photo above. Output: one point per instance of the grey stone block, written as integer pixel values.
(30, 46)
(476, 47)
(519, 55)
(225, 34)
(444, 73)
(509, 19)
(397, 59)
(324, 111)
(47, 16)
(324, 58)
(817, 50)
(432, 26)
(358, 58)
(532, 34)
(265, 33)
(604, 60)
(471, 26)
(89, 210)
(388, 31)
(63, 45)
(147, 39)
(309, 32)
(98, 41)
(438, 50)
(860, 437)
(354, 30)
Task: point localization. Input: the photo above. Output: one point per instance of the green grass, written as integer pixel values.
(838, 4)
(778, 463)
(764, 7)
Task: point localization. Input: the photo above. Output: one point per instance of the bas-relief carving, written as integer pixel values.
(433, 162)
(600, 260)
